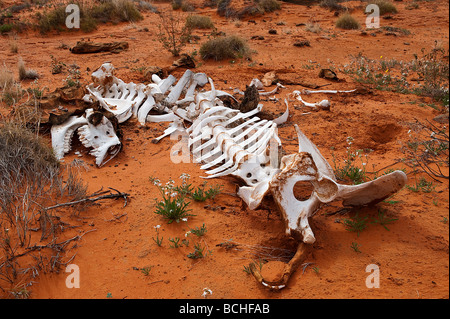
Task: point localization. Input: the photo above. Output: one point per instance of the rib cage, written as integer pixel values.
(223, 139)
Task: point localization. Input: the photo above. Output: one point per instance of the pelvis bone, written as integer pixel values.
(95, 131)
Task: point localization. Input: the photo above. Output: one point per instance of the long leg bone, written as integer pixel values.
(324, 104)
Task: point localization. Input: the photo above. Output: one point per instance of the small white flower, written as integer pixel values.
(184, 219)
(206, 292)
(173, 194)
(157, 226)
(187, 234)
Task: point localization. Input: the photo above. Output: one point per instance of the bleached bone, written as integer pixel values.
(327, 91)
(165, 84)
(101, 136)
(62, 135)
(257, 83)
(175, 126)
(261, 92)
(324, 104)
(176, 91)
(104, 75)
(121, 108)
(283, 118)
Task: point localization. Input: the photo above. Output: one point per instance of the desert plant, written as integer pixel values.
(158, 241)
(385, 6)
(13, 46)
(333, 5)
(112, 11)
(26, 74)
(356, 223)
(383, 220)
(199, 252)
(11, 91)
(229, 47)
(355, 246)
(199, 231)
(173, 205)
(350, 170)
(195, 21)
(201, 195)
(268, 5)
(347, 22)
(174, 33)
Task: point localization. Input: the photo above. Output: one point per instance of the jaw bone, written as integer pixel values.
(95, 131)
(62, 135)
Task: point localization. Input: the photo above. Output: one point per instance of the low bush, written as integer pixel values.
(230, 47)
(347, 22)
(195, 21)
(113, 11)
(385, 6)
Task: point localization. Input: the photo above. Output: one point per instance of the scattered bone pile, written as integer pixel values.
(225, 141)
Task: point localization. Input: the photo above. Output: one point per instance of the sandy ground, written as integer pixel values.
(412, 255)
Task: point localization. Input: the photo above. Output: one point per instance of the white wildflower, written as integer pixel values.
(206, 292)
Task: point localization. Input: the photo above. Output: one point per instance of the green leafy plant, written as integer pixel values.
(356, 224)
(349, 170)
(146, 270)
(383, 220)
(173, 205)
(355, 246)
(422, 185)
(158, 240)
(256, 263)
(199, 252)
(176, 242)
(199, 231)
(201, 195)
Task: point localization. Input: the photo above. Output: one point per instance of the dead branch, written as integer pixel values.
(91, 199)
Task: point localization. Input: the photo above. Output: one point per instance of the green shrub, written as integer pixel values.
(347, 22)
(230, 47)
(196, 21)
(268, 5)
(5, 28)
(114, 11)
(385, 6)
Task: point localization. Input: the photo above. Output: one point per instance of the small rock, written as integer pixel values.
(302, 43)
(272, 31)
